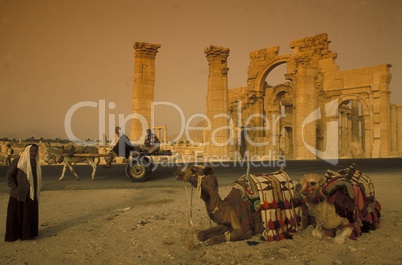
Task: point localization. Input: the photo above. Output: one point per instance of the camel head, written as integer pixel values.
(191, 173)
(309, 185)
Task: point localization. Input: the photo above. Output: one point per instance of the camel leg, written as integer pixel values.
(235, 235)
(317, 232)
(211, 232)
(343, 233)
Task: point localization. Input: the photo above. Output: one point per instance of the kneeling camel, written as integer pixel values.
(232, 226)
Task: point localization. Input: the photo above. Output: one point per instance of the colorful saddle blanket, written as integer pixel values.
(353, 195)
(273, 195)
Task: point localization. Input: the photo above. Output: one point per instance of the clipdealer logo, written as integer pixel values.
(331, 110)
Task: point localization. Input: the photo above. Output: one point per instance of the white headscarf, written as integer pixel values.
(24, 164)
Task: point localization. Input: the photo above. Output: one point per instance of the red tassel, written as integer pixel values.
(274, 205)
(271, 225)
(281, 222)
(369, 218)
(358, 229)
(287, 204)
(375, 217)
(377, 206)
(292, 222)
(281, 236)
(352, 236)
(362, 217)
(270, 239)
(266, 205)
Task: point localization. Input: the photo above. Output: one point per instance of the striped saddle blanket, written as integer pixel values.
(273, 195)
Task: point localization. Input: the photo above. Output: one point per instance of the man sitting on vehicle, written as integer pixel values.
(120, 146)
(151, 143)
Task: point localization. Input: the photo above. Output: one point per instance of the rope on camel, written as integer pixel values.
(190, 222)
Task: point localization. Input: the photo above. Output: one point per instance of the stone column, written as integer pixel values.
(399, 129)
(349, 130)
(217, 101)
(158, 132)
(383, 79)
(344, 133)
(165, 139)
(355, 121)
(143, 88)
(393, 133)
(305, 105)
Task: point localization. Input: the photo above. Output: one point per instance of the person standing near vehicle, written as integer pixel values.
(24, 178)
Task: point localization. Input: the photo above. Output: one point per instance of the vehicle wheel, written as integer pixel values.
(138, 169)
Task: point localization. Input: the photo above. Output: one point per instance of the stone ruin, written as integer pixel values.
(318, 111)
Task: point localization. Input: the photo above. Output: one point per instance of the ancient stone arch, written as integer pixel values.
(288, 119)
(313, 80)
(364, 116)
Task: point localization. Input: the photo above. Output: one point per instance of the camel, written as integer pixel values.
(262, 203)
(321, 209)
(340, 202)
(56, 154)
(229, 226)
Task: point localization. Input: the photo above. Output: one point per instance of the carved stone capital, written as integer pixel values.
(217, 60)
(217, 53)
(146, 50)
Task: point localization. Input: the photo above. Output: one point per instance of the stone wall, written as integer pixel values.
(297, 119)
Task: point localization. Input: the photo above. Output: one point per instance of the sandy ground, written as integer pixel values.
(151, 226)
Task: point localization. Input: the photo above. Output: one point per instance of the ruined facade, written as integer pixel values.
(319, 111)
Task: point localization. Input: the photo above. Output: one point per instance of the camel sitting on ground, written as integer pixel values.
(310, 186)
(342, 202)
(233, 224)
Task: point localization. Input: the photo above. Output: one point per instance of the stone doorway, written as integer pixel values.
(351, 126)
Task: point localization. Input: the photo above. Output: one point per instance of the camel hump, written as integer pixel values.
(208, 171)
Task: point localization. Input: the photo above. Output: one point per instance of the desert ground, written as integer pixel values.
(158, 226)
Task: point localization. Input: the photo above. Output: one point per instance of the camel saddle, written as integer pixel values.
(272, 195)
(353, 194)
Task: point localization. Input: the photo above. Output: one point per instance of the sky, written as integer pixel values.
(73, 60)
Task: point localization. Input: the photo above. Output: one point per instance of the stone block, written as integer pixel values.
(377, 133)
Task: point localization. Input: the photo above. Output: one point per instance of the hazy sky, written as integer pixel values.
(56, 54)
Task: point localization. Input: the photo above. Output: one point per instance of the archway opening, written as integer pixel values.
(276, 75)
(351, 131)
